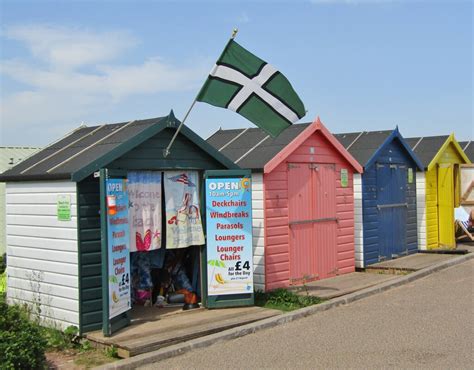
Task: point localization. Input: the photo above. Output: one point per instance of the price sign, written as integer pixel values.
(118, 241)
(229, 236)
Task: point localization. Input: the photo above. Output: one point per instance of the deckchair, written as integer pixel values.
(462, 232)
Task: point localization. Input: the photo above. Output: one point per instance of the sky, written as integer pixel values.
(357, 64)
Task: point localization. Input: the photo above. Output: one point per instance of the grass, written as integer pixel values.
(3, 283)
(284, 300)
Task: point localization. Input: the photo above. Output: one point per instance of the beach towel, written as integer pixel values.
(144, 193)
(183, 212)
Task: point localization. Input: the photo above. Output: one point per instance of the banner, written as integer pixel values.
(229, 236)
(118, 238)
(183, 213)
(144, 195)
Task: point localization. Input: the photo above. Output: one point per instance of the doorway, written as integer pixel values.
(446, 205)
(312, 221)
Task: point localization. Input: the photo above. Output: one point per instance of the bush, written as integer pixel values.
(3, 263)
(22, 344)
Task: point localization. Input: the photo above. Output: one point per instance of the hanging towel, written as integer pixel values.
(144, 194)
(183, 212)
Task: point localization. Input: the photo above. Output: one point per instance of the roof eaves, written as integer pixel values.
(288, 149)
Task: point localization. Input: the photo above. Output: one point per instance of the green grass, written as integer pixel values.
(285, 300)
(3, 283)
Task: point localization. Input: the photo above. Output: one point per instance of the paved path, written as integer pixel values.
(425, 324)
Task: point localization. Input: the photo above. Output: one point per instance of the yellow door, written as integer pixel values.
(446, 206)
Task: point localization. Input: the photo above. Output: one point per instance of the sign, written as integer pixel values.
(410, 175)
(344, 178)
(64, 207)
(118, 247)
(229, 236)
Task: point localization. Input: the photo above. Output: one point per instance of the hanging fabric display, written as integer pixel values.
(183, 213)
(144, 193)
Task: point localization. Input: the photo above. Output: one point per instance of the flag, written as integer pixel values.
(242, 82)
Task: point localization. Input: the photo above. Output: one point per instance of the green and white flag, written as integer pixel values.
(244, 83)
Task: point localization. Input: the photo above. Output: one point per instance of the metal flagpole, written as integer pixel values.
(166, 151)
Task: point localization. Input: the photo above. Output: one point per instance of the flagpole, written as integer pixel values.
(166, 151)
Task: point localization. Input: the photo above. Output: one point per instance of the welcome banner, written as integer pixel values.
(144, 193)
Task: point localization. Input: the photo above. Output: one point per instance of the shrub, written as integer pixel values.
(3, 263)
(22, 344)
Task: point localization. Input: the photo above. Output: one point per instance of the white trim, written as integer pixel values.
(358, 222)
(421, 209)
(258, 230)
(253, 85)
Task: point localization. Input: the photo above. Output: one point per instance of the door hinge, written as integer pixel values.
(291, 165)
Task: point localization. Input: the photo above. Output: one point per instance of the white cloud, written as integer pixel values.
(243, 18)
(73, 71)
(70, 47)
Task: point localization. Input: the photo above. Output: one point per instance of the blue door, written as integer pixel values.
(392, 210)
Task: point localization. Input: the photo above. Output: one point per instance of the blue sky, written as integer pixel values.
(358, 64)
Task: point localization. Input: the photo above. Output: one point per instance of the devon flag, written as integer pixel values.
(244, 83)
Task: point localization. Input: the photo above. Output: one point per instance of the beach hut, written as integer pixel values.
(303, 201)
(56, 209)
(437, 189)
(9, 157)
(385, 201)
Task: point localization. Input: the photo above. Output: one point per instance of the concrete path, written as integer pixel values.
(426, 324)
(413, 262)
(344, 284)
(279, 320)
(159, 328)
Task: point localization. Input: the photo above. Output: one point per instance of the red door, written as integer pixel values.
(312, 221)
(325, 221)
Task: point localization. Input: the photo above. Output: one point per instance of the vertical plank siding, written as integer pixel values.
(431, 177)
(394, 153)
(42, 251)
(277, 239)
(258, 231)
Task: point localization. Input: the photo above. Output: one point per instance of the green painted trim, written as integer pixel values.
(104, 250)
(223, 301)
(79, 257)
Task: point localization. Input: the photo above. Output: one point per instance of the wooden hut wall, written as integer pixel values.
(42, 251)
(394, 152)
(277, 239)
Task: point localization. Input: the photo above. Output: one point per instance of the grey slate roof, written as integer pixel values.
(468, 147)
(62, 158)
(259, 155)
(427, 148)
(367, 143)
